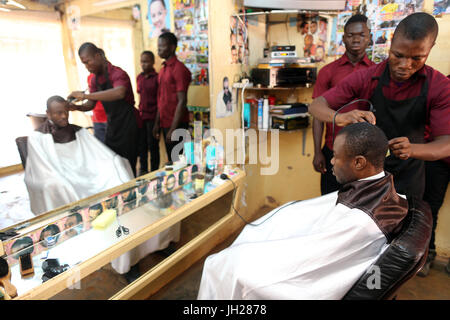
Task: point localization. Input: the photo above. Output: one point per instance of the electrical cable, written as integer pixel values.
(223, 176)
(371, 109)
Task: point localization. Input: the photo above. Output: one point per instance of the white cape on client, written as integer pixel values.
(313, 249)
(60, 173)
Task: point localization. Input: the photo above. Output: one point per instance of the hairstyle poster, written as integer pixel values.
(384, 16)
(441, 7)
(239, 39)
(158, 16)
(191, 29)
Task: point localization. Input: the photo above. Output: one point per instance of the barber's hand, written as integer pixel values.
(169, 135)
(156, 131)
(354, 116)
(77, 95)
(72, 107)
(400, 147)
(319, 162)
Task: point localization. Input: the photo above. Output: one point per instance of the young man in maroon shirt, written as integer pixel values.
(406, 95)
(356, 39)
(112, 86)
(173, 83)
(147, 88)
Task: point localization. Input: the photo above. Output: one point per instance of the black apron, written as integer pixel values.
(122, 131)
(403, 118)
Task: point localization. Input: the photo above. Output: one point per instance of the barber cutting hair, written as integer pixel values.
(407, 95)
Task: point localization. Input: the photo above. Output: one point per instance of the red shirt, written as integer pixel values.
(99, 114)
(173, 77)
(329, 76)
(361, 85)
(117, 77)
(147, 87)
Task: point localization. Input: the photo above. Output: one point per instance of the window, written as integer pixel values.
(31, 70)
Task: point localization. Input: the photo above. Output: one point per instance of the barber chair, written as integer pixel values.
(21, 143)
(404, 257)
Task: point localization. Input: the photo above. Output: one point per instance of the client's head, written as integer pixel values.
(359, 152)
(57, 111)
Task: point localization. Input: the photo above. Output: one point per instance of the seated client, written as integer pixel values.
(317, 248)
(65, 163)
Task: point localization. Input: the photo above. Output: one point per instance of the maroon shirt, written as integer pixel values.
(117, 77)
(172, 78)
(329, 76)
(147, 87)
(361, 85)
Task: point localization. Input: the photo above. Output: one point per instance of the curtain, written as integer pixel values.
(115, 37)
(31, 70)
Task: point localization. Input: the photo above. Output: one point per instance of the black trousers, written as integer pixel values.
(437, 177)
(172, 144)
(148, 143)
(328, 181)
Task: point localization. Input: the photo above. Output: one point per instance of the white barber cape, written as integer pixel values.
(60, 173)
(312, 249)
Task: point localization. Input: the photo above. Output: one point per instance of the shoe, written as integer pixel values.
(133, 274)
(423, 272)
(169, 250)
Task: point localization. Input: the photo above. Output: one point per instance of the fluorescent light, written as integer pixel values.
(14, 3)
(4, 9)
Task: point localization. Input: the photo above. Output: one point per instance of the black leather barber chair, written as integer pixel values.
(21, 143)
(402, 260)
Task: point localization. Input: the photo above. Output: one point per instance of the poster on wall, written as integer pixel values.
(384, 16)
(191, 29)
(158, 17)
(239, 39)
(313, 36)
(441, 7)
(224, 104)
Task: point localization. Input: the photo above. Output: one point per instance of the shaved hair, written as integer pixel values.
(54, 99)
(149, 53)
(355, 19)
(365, 139)
(170, 38)
(417, 26)
(90, 48)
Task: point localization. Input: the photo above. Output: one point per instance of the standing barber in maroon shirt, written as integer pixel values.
(406, 95)
(147, 87)
(112, 86)
(356, 39)
(173, 83)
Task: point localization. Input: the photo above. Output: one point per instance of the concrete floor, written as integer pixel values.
(105, 282)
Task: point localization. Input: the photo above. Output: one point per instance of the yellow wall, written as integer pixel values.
(296, 178)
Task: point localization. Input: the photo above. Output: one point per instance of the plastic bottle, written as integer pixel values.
(266, 114)
(260, 113)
